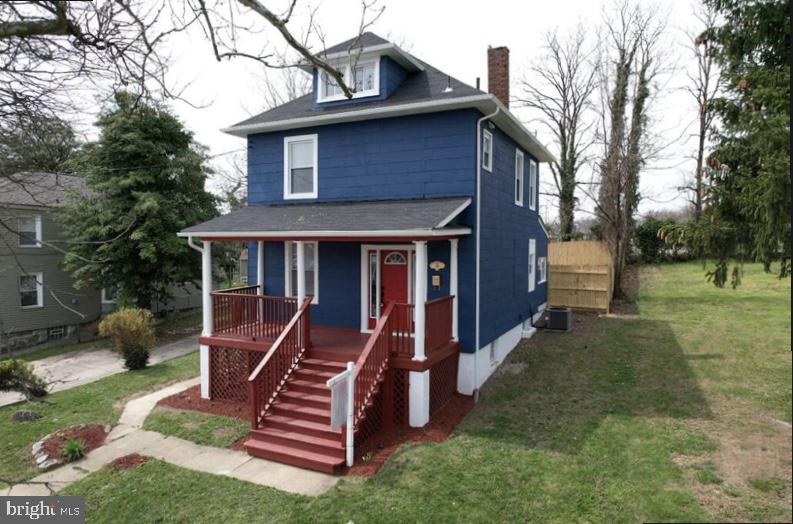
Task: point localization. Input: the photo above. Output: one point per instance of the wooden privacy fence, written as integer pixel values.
(581, 275)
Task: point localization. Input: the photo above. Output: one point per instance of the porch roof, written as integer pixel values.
(398, 219)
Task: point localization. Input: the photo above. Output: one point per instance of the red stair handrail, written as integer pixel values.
(272, 372)
(372, 363)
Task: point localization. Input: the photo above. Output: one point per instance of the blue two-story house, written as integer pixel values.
(397, 231)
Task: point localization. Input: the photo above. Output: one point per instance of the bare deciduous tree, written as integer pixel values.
(628, 66)
(704, 88)
(559, 90)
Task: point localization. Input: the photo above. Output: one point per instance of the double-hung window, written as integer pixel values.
(300, 166)
(29, 229)
(487, 150)
(31, 290)
(532, 185)
(311, 269)
(542, 267)
(363, 77)
(532, 264)
(519, 167)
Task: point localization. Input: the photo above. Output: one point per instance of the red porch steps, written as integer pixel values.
(296, 430)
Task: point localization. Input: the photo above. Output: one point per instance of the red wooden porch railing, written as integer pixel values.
(284, 355)
(439, 323)
(402, 328)
(240, 311)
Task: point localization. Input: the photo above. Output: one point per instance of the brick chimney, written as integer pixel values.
(498, 73)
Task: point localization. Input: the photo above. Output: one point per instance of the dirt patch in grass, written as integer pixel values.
(91, 435)
(133, 460)
(190, 399)
(381, 446)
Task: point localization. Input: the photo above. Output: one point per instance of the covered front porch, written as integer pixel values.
(368, 310)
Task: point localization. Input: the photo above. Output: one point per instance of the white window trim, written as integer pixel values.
(288, 195)
(39, 290)
(532, 185)
(520, 160)
(346, 69)
(365, 249)
(544, 273)
(288, 291)
(532, 265)
(106, 300)
(38, 244)
(487, 166)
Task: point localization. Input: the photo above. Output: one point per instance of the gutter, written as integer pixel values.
(479, 237)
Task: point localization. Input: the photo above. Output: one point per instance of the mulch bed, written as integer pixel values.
(190, 399)
(91, 435)
(133, 460)
(382, 445)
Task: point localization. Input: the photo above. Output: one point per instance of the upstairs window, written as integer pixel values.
(519, 167)
(31, 290)
(487, 150)
(29, 229)
(363, 77)
(532, 185)
(300, 166)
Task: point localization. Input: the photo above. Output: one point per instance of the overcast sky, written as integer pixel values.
(453, 36)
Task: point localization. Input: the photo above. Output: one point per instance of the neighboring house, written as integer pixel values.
(38, 301)
(397, 230)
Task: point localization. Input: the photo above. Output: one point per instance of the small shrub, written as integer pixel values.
(132, 332)
(73, 450)
(18, 375)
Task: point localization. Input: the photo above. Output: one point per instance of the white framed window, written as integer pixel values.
(542, 267)
(109, 295)
(532, 185)
(311, 270)
(487, 150)
(532, 264)
(31, 290)
(519, 170)
(29, 229)
(300, 166)
(364, 79)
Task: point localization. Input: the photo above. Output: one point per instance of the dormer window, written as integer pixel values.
(364, 79)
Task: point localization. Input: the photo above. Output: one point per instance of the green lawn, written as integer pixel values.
(201, 428)
(663, 415)
(95, 402)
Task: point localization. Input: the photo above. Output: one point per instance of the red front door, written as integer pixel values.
(393, 279)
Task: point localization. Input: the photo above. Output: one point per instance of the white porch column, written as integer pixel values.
(419, 388)
(206, 304)
(420, 299)
(454, 286)
(260, 266)
(301, 272)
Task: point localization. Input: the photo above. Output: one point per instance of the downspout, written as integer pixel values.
(478, 237)
(194, 246)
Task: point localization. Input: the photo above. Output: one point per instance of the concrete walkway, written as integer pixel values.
(89, 365)
(128, 437)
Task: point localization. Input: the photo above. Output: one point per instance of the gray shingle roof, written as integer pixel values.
(39, 189)
(430, 215)
(421, 86)
(367, 39)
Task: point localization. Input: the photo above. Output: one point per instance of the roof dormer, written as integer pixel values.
(373, 67)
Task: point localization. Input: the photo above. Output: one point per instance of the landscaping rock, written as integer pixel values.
(48, 452)
(26, 416)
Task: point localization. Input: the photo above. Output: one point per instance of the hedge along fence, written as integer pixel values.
(581, 275)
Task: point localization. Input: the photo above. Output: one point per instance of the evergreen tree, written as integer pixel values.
(146, 179)
(747, 206)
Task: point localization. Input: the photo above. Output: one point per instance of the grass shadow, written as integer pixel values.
(555, 390)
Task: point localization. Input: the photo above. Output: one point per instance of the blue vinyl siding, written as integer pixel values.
(506, 229)
(391, 76)
(418, 156)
